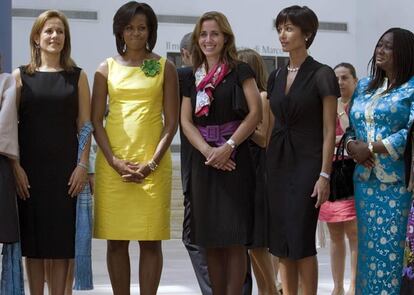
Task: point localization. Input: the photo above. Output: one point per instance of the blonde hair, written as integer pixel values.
(229, 51)
(255, 61)
(66, 61)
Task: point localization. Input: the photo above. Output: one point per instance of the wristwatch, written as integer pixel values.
(371, 147)
(231, 143)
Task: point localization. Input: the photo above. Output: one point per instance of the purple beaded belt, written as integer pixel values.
(215, 133)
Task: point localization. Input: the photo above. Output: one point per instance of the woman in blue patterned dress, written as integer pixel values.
(382, 111)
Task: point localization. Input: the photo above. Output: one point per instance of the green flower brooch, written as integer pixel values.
(151, 67)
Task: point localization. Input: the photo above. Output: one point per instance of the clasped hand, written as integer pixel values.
(358, 150)
(219, 157)
(129, 171)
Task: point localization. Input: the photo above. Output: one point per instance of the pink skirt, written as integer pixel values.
(338, 211)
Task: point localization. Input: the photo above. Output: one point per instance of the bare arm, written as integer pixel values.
(99, 96)
(189, 129)
(79, 175)
(260, 135)
(322, 188)
(171, 104)
(253, 118)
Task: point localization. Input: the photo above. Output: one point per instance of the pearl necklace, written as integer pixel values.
(295, 69)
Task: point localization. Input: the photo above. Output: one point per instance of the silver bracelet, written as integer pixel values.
(84, 166)
(325, 175)
(152, 165)
(231, 143)
(347, 143)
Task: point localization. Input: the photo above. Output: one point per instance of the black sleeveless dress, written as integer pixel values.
(294, 157)
(48, 153)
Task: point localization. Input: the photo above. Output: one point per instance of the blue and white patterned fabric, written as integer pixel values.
(381, 199)
(83, 238)
(12, 271)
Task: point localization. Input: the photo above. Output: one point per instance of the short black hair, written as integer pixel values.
(403, 59)
(123, 17)
(348, 66)
(302, 17)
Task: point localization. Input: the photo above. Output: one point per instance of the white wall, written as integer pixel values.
(92, 41)
(373, 19)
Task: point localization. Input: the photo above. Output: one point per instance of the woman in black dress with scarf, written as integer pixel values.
(222, 175)
(303, 98)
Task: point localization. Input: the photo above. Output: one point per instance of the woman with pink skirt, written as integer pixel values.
(340, 215)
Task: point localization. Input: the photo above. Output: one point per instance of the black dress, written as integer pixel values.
(294, 157)
(221, 201)
(260, 202)
(185, 76)
(48, 153)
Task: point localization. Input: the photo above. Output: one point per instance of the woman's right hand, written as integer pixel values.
(22, 182)
(229, 164)
(359, 151)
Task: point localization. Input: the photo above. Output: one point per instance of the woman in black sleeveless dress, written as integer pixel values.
(299, 156)
(53, 99)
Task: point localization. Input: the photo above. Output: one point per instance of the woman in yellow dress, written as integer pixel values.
(133, 165)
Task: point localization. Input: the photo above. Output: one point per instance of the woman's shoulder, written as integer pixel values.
(242, 66)
(363, 83)
(243, 71)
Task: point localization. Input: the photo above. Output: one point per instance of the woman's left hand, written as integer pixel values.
(142, 171)
(77, 181)
(219, 156)
(321, 191)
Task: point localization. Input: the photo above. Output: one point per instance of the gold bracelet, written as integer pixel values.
(152, 165)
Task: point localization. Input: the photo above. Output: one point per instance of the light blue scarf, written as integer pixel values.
(12, 272)
(83, 238)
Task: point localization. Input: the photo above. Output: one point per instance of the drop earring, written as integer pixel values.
(124, 49)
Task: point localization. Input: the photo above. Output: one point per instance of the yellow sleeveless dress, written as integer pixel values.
(130, 211)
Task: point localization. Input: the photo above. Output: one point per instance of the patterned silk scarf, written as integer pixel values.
(205, 85)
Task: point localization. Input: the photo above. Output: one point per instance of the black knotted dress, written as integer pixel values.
(48, 153)
(222, 202)
(294, 157)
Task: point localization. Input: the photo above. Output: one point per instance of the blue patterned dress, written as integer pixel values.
(381, 199)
